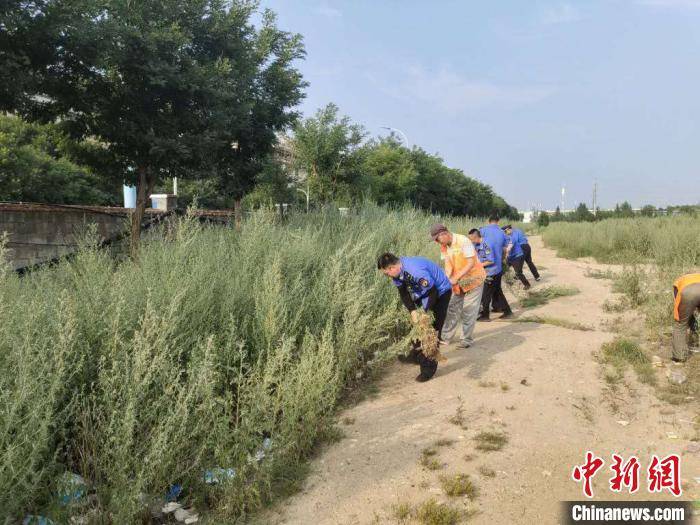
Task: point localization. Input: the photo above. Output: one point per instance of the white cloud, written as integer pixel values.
(446, 91)
(560, 14)
(328, 11)
(683, 4)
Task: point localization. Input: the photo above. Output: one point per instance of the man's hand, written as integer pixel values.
(414, 316)
(453, 280)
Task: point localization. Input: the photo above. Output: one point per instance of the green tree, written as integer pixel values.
(543, 218)
(273, 186)
(648, 211)
(169, 86)
(390, 172)
(36, 165)
(326, 148)
(557, 216)
(582, 214)
(624, 210)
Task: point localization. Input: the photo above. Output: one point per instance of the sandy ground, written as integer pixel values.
(563, 409)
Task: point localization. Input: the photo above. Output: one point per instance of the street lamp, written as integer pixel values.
(396, 130)
(305, 192)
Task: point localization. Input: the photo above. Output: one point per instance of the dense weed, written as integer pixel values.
(653, 252)
(140, 375)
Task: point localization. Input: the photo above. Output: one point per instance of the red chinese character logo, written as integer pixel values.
(626, 475)
(665, 474)
(586, 472)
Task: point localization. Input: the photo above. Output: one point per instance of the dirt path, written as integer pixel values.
(563, 410)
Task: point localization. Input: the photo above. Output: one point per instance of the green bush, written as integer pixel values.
(140, 375)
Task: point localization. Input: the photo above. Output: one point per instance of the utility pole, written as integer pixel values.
(563, 195)
(595, 197)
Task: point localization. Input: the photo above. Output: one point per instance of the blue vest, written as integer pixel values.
(420, 275)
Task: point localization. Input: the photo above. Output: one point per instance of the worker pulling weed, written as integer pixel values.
(421, 282)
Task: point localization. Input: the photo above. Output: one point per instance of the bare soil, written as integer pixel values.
(539, 384)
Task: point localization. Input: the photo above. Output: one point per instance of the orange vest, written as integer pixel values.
(455, 261)
(678, 285)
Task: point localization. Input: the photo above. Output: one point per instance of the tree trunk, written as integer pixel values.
(144, 188)
(237, 213)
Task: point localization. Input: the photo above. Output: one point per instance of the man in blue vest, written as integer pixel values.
(422, 283)
(494, 272)
(516, 257)
(518, 237)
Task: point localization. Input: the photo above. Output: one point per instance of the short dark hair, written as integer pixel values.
(475, 230)
(494, 218)
(387, 259)
(507, 227)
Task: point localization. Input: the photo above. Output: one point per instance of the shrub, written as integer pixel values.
(140, 375)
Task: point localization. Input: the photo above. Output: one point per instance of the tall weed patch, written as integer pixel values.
(653, 252)
(142, 375)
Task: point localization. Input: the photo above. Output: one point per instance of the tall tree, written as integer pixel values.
(171, 87)
(325, 147)
(39, 164)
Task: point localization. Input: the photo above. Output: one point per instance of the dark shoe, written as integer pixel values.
(428, 367)
(537, 278)
(483, 319)
(527, 287)
(410, 359)
(676, 360)
(507, 315)
(423, 378)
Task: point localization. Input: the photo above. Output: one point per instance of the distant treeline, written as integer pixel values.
(621, 211)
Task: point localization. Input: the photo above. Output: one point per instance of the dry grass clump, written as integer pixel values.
(490, 440)
(544, 295)
(553, 321)
(433, 513)
(621, 353)
(428, 460)
(458, 485)
(424, 332)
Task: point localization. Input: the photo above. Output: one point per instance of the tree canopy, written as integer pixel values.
(172, 88)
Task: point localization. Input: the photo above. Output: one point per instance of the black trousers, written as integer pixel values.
(428, 366)
(517, 265)
(528, 259)
(494, 292)
(439, 310)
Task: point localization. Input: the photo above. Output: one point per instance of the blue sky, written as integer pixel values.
(523, 95)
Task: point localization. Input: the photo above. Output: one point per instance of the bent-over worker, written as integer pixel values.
(686, 295)
(422, 283)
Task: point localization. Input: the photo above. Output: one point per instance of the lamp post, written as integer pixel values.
(305, 192)
(403, 135)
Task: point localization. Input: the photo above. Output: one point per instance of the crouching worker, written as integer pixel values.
(686, 294)
(422, 283)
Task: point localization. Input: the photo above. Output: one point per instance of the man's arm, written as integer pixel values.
(467, 268)
(432, 297)
(406, 298)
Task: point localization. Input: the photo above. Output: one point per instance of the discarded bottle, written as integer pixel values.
(36, 520)
(219, 475)
(173, 492)
(71, 488)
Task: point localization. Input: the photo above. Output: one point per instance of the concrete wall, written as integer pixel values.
(37, 233)
(40, 232)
